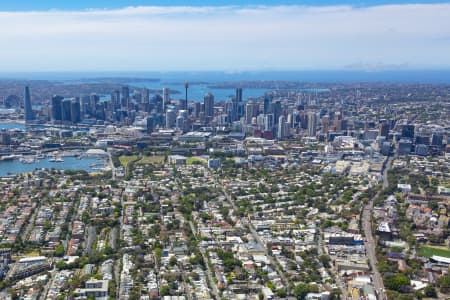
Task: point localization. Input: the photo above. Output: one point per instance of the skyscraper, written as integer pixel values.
(209, 106)
(281, 132)
(251, 111)
(312, 124)
(57, 108)
(145, 99)
(115, 99)
(166, 99)
(125, 97)
(185, 103)
(29, 116)
(66, 114)
(171, 117)
(75, 111)
(267, 104)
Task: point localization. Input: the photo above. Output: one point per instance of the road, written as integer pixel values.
(255, 235)
(370, 241)
(209, 272)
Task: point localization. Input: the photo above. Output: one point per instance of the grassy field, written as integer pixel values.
(125, 160)
(151, 160)
(429, 251)
(194, 160)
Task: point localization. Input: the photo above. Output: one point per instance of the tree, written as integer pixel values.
(430, 291)
(59, 250)
(165, 290)
(301, 290)
(173, 261)
(396, 282)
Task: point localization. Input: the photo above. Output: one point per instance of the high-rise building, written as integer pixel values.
(312, 124)
(251, 111)
(267, 103)
(408, 131)
(93, 101)
(185, 103)
(197, 109)
(145, 98)
(281, 132)
(239, 94)
(384, 129)
(75, 111)
(66, 113)
(209, 106)
(276, 110)
(437, 139)
(57, 108)
(166, 98)
(29, 115)
(171, 117)
(268, 122)
(115, 99)
(125, 103)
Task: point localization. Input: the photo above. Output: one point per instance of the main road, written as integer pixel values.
(370, 241)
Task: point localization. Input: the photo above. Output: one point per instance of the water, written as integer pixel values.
(70, 163)
(326, 76)
(12, 126)
(197, 91)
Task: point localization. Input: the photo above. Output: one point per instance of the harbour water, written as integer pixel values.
(89, 164)
(12, 126)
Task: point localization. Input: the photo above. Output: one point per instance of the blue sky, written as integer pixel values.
(85, 4)
(222, 35)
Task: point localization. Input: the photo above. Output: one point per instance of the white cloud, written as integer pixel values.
(226, 38)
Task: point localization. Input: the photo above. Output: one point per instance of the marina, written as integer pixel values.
(67, 160)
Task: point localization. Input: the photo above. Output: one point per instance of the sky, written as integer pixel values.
(140, 35)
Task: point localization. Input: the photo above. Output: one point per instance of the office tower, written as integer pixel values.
(171, 117)
(238, 107)
(208, 100)
(84, 105)
(115, 99)
(197, 109)
(150, 123)
(384, 129)
(312, 124)
(29, 115)
(145, 98)
(408, 131)
(125, 97)
(404, 147)
(75, 111)
(57, 108)
(93, 100)
(325, 121)
(251, 111)
(437, 139)
(267, 103)
(281, 132)
(66, 115)
(180, 123)
(166, 99)
(276, 110)
(268, 122)
(185, 103)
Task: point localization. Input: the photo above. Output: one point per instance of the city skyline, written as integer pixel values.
(230, 38)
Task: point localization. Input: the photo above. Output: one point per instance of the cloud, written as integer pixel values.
(227, 38)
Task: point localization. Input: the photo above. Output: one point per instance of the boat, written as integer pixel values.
(27, 160)
(59, 159)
